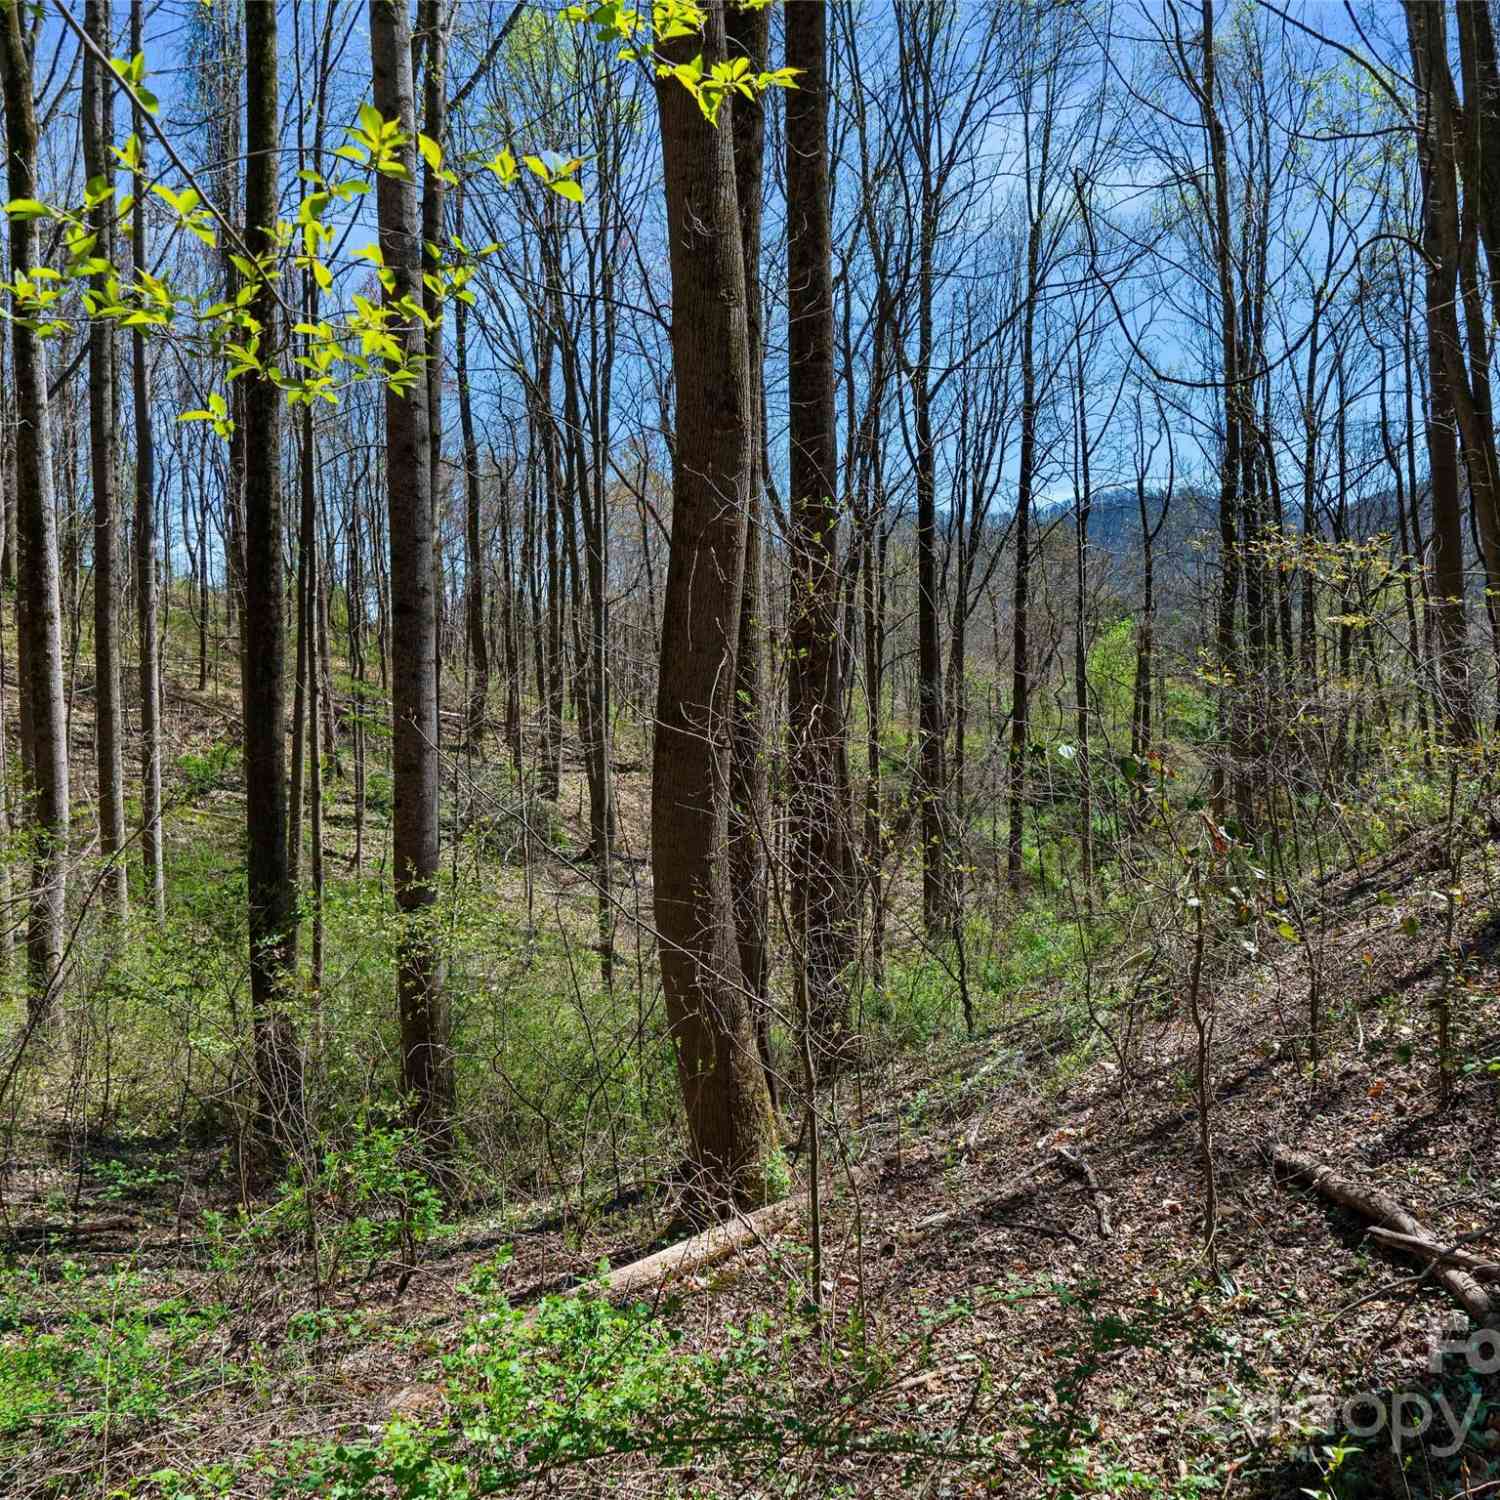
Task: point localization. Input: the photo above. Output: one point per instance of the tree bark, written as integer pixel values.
(145, 566)
(750, 776)
(818, 770)
(426, 1063)
(1227, 781)
(1426, 33)
(40, 600)
(1385, 1211)
(104, 464)
(479, 655)
(730, 1124)
(264, 626)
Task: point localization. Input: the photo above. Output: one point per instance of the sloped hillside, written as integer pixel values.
(1015, 1293)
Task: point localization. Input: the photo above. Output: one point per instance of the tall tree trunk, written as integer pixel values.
(818, 772)
(426, 1063)
(932, 775)
(730, 1123)
(145, 563)
(510, 611)
(1020, 670)
(271, 897)
(550, 661)
(750, 775)
(40, 599)
(104, 464)
(1426, 31)
(432, 25)
(1236, 406)
(315, 759)
(479, 655)
(1085, 502)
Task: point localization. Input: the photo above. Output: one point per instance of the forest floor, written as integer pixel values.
(993, 1325)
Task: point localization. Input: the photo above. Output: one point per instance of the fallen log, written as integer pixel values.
(718, 1243)
(1385, 1212)
(116, 1225)
(1450, 1255)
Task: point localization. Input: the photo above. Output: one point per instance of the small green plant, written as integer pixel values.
(103, 1360)
(207, 770)
(1331, 1460)
(368, 1201)
(778, 1174)
(576, 1384)
(124, 1180)
(573, 1382)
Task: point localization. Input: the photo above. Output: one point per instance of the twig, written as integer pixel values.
(1097, 1195)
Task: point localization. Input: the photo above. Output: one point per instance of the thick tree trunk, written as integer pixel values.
(426, 1063)
(264, 627)
(40, 600)
(730, 1123)
(433, 26)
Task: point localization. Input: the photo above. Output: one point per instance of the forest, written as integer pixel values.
(749, 747)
